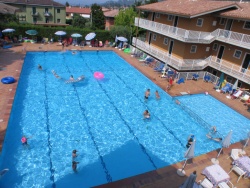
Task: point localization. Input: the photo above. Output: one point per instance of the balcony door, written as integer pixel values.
(176, 18)
(246, 63)
(34, 10)
(228, 27)
(220, 53)
(170, 49)
(153, 16)
(149, 38)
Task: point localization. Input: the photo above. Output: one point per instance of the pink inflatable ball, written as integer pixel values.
(98, 75)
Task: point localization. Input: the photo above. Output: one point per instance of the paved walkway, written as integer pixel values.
(11, 65)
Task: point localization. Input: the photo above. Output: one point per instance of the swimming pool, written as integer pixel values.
(102, 119)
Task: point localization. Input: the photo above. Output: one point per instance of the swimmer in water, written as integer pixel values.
(146, 114)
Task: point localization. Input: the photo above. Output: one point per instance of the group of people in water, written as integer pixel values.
(146, 114)
(209, 136)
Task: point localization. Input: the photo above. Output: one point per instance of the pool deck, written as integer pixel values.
(11, 65)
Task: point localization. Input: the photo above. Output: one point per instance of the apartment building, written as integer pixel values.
(198, 35)
(43, 12)
(110, 18)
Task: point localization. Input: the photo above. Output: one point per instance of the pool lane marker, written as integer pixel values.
(52, 170)
(108, 176)
(129, 128)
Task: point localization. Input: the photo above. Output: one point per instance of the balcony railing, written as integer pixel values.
(190, 36)
(47, 14)
(194, 64)
(35, 14)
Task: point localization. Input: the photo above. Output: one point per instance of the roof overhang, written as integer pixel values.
(192, 16)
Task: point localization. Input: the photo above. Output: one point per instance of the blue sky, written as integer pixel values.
(81, 2)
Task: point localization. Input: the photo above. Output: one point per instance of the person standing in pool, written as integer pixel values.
(39, 67)
(74, 155)
(71, 78)
(74, 166)
(147, 94)
(157, 96)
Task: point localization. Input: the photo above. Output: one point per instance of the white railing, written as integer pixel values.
(190, 36)
(194, 64)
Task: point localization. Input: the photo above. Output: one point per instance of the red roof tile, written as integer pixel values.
(242, 13)
(78, 10)
(188, 8)
(111, 13)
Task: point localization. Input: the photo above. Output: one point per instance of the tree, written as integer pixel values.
(126, 19)
(78, 21)
(67, 4)
(97, 17)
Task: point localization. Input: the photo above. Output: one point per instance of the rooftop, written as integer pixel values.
(194, 8)
(7, 9)
(111, 13)
(78, 10)
(34, 2)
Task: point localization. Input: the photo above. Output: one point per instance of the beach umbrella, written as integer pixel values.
(76, 35)
(31, 32)
(188, 155)
(8, 30)
(235, 85)
(123, 39)
(248, 137)
(60, 33)
(90, 36)
(225, 144)
(189, 183)
(116, 39)
(221, 79)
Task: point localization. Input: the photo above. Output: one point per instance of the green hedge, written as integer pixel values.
(48, 32)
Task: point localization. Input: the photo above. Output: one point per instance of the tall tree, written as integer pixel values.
(97, 17)
(78, 21)
(67, 4)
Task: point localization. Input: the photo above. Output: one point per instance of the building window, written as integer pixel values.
(170, 17)
(215, 46)
(58, 21)
(247, 25)
(58, 10)
(222, 21)
(207, 49)
(165, 41)
(46, 10)
(193, 49)
(22, 18)
(157, 15)
(199, 22)
(237, 54)
(229, 79)
(23, 9)
(154, 37)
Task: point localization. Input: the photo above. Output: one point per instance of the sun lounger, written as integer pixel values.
(181, 80)
(237, 94)
(227, 88)
(245, 98)
(207, 78)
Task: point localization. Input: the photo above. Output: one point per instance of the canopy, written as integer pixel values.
(123, 39)
(188, 155)
(90, 36)
(235, 85)
(76, 35)
(31, 32)
(225, 143)
(60, 33)
(8, 30)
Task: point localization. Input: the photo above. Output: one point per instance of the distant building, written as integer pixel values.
(110, 18)
(82, 11)
(43, 12)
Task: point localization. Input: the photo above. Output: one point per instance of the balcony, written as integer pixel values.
(47, 14)
(35, 14)
(189, 36)
(231, 69)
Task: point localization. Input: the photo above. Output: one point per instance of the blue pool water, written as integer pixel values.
(102, 119)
